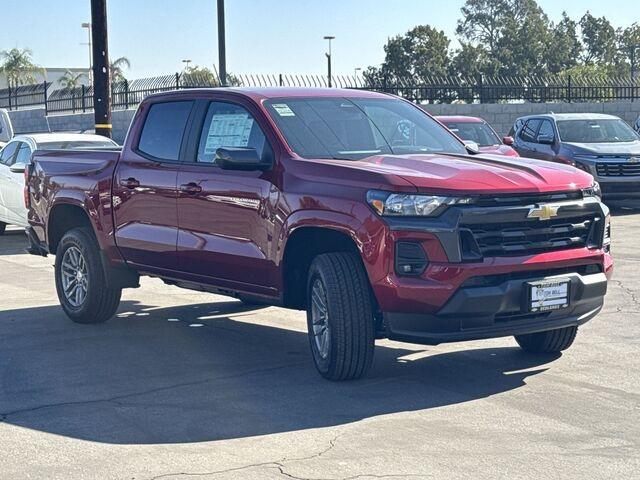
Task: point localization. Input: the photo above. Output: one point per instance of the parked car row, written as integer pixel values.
(601, 145)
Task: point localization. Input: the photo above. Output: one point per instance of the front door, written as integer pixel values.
(226, 217)
(7, 157)
(144, 189)
(14, 190)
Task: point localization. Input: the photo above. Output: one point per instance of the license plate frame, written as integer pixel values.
(548, 295)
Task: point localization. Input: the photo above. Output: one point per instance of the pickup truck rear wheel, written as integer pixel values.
(550, 341)
(340, 318)
(81, 281)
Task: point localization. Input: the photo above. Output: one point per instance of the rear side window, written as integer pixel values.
(163, 130)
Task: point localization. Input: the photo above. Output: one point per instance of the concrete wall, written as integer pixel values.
(34, 120)
(503, 116)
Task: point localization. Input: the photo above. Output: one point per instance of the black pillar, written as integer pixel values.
(101, 77)
(222, 48)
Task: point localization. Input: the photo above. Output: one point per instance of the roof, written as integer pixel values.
(262, 93)
(61, 137)
(573, 116)
(459, 119)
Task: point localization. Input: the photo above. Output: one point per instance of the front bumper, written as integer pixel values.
(498, 310)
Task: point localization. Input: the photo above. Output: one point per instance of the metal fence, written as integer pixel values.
(557, 88)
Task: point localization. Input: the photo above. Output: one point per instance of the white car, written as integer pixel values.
(16, 155)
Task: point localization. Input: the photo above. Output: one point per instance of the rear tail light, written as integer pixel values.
(27, 197)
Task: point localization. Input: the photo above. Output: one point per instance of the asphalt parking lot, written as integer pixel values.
(188, 385)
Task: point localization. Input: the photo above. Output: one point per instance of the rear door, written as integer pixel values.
(14, 193)
(7, 157)
(226, 217)
(144, 188)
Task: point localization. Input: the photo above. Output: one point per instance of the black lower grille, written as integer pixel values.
(618, 169)
(532, 236)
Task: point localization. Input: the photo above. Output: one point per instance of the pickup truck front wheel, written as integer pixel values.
(550, 341)
(340, 316)
(80, 279)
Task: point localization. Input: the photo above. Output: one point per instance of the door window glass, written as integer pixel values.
(163, 130)
(24, 154)
(8, 152)
(229, 125)
(546, 129)
(528, 132)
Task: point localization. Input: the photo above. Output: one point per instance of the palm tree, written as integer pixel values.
(70, 80)
(17, 64)
(116, 69)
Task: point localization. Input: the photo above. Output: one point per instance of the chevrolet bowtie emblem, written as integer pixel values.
(634, 159)
(543, 212)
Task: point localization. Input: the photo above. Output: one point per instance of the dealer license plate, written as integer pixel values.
(548, 295)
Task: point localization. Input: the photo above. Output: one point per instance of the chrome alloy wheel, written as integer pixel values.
(74, 276)
(320, 318)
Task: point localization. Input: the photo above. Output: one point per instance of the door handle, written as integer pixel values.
(190, 188)
(130, 183)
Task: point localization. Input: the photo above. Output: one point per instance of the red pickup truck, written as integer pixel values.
(355, 206)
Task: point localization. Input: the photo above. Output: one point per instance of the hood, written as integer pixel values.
(610, 148)
(477, 173)
(500, 150)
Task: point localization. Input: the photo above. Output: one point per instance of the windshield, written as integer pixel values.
(596, 131)
(356, 128)
(477, 132)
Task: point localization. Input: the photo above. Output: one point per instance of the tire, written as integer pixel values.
(340, 279)
(551, 341)
(99, 302)
(3, 227)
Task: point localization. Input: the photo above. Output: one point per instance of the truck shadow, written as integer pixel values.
(193, 374)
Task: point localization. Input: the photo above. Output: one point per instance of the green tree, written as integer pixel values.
(564, 48)
(598, 39)
(198, 76)
(483, 22)
(17, 65)
(522, 48)
(628, 42)
(70, 80)
(472, 61)
(422, 52)
(117, 67)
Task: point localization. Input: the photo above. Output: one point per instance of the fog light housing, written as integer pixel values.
(410, 259)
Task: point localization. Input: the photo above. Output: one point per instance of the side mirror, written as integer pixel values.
(546, 139)
(18, 168)
(237, 158)
(472, 147)
(507, 140)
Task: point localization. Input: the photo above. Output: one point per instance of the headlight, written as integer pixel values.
(409, 205)
(593, 191)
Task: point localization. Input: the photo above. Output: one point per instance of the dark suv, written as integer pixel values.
(603, 145)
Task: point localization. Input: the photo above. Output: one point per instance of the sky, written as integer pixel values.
(263, 36)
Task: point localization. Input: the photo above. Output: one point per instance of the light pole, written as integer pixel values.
(87, 25)
(329, 37)
(356, 70)
(186, 62)
(222, 49)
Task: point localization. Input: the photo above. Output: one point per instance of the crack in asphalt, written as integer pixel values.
(5, 415)
(629, 292)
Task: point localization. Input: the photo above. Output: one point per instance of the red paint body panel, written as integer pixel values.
(233, 234)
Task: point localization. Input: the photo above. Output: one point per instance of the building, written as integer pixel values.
(52, 75)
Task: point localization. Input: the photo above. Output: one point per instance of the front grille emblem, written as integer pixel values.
(634, 159)
(543, 212)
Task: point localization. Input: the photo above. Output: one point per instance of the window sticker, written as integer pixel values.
(228, 130)
(283, 110)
